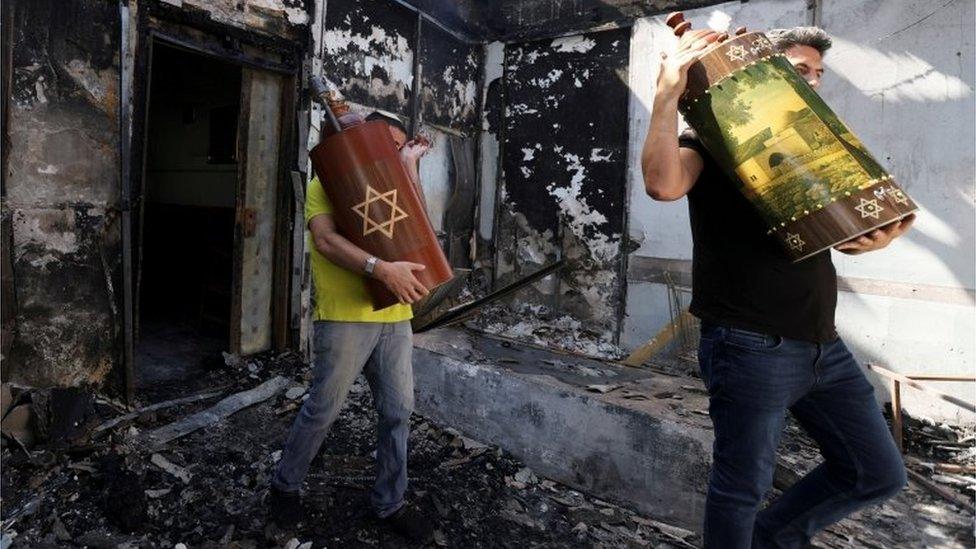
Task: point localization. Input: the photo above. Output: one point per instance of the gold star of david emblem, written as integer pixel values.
(869, 208)
(794, 241)
(900, 197)
(737, 53)
(369, 224)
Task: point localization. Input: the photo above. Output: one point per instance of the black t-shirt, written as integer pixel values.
(741, 276)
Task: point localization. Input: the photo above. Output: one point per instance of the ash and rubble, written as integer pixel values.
(914, 518)
(540, 325)
(208, 488)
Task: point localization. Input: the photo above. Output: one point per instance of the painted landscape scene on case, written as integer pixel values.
(789, 151)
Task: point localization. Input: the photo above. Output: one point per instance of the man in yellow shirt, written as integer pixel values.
(349, 338)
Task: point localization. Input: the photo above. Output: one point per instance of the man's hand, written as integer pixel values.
(399, 278)
(878, 238)
(414, 149)
(673, 76)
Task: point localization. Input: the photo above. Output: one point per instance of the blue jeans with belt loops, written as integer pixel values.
(752, 380)
(382, 351)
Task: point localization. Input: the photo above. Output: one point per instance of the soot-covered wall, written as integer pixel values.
(61, 189)
(450, 70)
(368, 51)
(564, 161)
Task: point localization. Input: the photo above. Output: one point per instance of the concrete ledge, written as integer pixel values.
(634, 444)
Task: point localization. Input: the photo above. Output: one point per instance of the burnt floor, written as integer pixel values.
(110, 495)
(172, 355)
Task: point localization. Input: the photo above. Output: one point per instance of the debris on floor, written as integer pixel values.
(914, 518)
(207, 489)
(537, 325)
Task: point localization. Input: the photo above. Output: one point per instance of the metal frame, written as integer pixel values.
(912, 380)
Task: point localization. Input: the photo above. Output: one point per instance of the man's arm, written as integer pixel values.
(669, 170)
(397, 276)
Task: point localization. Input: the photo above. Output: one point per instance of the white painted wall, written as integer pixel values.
(901, 75)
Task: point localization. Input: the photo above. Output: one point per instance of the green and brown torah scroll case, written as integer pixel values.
(806, 173)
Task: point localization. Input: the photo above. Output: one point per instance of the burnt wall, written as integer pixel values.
(521, 19)
(450, 70)
(62, 183)
(368, 51)
(61, 187)
(564, 153)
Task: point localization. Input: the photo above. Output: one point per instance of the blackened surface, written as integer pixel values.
(64, 332)
(535, 18)
(63, 183)
(449, 71)
(563, 158)
(569, 108)
(459, 213)
(510, 20)
(476, 19)
(369, 52)
(51, 33)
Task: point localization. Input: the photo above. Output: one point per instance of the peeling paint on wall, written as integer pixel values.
(450, 72)
(277, 17)
(564, 172)
(368, 52)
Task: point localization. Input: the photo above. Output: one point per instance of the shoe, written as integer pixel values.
(411, 524)
(285, 508)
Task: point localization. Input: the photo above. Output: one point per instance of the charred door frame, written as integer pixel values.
(197, 33)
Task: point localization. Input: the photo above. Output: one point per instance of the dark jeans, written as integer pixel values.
(752, 379)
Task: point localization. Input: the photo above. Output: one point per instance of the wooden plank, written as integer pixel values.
(946, 494)
(921, 387)
(297, 247)
(153, 407)
(234, 403)
(257, 210)
(897, 425)
(939, 377)
(654, 345)
(281, 279)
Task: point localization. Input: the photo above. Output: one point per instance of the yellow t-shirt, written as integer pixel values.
(340, 294)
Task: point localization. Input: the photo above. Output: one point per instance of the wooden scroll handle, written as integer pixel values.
(681, 27)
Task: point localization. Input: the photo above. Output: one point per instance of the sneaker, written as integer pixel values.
(411, 524)
(285, 508)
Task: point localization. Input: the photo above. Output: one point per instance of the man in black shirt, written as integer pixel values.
(768, 341)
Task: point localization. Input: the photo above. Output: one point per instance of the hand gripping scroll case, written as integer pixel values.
(806, 173)
(375, 204)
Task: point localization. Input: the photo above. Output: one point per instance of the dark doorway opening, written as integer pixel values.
(186, 271)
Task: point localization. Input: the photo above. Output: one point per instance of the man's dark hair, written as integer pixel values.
(376, 115)
(815, 37)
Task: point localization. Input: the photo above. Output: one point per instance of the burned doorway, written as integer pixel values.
(212, 243)
(185, 276)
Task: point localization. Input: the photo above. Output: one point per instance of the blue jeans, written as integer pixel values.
(342, 350)
(752, 380)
